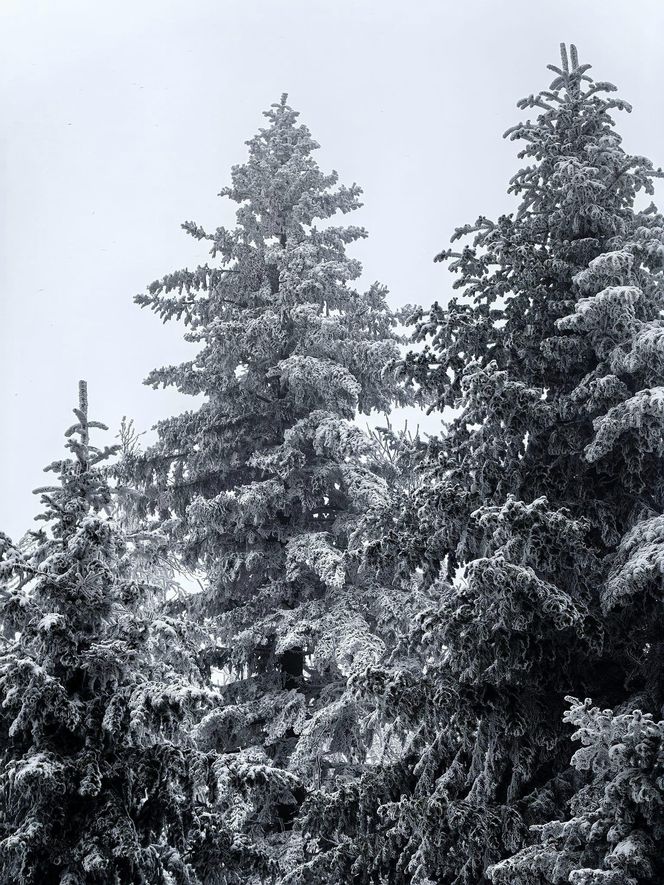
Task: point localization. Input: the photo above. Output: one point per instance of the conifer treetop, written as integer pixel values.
(101, 776)
(265, 485)
(535, 529)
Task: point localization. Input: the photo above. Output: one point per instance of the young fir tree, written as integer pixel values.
(538, 526)
(100, 781)
(265, 485)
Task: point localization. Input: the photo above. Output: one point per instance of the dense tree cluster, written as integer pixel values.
(405, 662)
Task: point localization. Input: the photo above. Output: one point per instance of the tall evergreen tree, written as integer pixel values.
(536, 526)
(264, 487)
(616, 324)
(100, 780)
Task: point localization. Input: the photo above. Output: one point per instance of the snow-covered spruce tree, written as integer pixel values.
(100, 781)
(538, 516)
(264, 486)
(616, 827)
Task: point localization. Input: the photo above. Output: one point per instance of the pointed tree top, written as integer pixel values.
(83, 396)
(569, 76)
(573, 55)
(82, 412)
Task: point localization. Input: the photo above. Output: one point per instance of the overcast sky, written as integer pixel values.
(121, 120)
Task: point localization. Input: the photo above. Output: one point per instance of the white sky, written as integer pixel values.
(121, 120)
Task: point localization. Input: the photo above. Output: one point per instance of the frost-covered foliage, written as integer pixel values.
(150, 556)
(616, 831)
(536, 526)
(265, 486)
(377, 682)
(344, 837)
(100, 778)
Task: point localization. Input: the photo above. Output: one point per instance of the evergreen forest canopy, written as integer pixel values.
(405, 661)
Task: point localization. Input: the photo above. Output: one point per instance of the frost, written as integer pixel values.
(269, 487)
(315, 551)
(50, 621)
